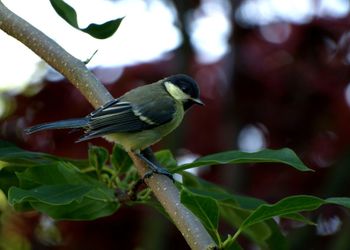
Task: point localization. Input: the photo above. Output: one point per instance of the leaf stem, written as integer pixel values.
(231, 239)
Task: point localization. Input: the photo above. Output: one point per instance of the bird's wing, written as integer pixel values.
(122, 116)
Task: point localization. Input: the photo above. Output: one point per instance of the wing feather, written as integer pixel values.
(122, 116)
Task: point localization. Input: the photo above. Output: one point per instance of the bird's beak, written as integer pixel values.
(198, 101)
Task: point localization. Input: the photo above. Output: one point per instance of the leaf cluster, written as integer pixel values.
(88, 189)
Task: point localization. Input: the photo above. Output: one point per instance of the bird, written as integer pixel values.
(139, 118)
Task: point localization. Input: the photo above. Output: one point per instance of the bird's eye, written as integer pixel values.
(185, 89)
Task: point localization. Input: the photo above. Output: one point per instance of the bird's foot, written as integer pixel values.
(161, 171)
(154, 168)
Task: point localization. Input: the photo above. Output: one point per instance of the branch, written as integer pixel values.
(77, 73)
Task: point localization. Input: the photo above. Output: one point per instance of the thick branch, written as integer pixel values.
(76, 72)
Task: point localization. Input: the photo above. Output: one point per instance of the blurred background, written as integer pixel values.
(273, 73)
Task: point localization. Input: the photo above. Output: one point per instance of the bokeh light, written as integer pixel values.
(251, 139)
(210, 29)
(262, 12)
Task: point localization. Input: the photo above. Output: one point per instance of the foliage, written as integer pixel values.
(86, 190)
(100, 31)
(284, 155)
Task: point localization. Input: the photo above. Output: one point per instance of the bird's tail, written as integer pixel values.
(70, 123)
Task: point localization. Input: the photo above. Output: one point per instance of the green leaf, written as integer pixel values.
(341, 201)
(60, 194)
(100, 31)
(120, 159)
(63, 192)
(290, 205)
(287, 207)
(166, 159)
(229, 207)
(205, 208)
(98, 157)
(300, 218)
(277, 240)
(66, 12)
(234, 209)
(234, 216)
(7, 179)
(205, 187)
(86, 209)
(252, 203)
(12, 157)
(247, 202)
(285, 155)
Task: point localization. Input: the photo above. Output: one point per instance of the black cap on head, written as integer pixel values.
(188, 86)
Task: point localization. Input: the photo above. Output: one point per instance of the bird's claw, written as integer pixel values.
(154, 168)
(160, 171)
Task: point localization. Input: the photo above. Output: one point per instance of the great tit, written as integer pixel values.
(139, 118)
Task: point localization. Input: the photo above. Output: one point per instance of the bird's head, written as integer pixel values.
(183, 88)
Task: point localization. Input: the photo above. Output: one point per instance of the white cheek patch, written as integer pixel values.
(176, 92)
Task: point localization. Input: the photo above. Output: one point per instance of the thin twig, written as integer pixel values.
(77, 73)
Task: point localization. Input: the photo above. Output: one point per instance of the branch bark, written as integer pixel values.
(77, 73)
